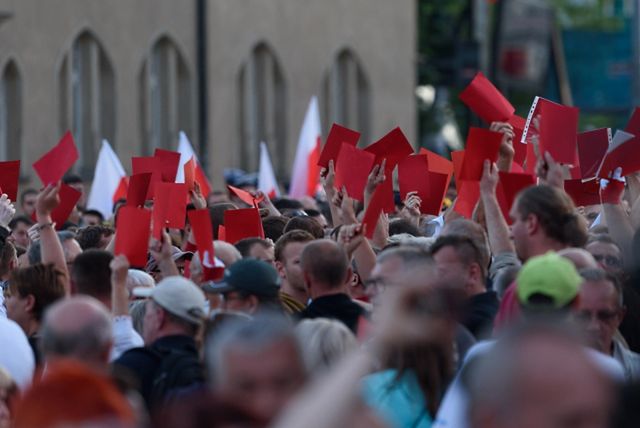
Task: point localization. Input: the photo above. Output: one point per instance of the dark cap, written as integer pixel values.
(250, 276)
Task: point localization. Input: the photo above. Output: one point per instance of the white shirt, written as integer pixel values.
(125, 337)
(16, 355)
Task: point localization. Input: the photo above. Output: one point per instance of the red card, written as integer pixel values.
(486, 101)
(121, 190)
(242, 223)
(132, 236)
(532, 160)
(439, 164)
(457, 157)
(138, 189)
(393, 147)
(508, 188)
(222, 233)
(352, 169)
(9, 177)
(592, 146)
(583, 193)
(623, 152)
(413, 176)
(169, 207)
(190, 174)
(481, 145)
(438, 185)
(200, 222)
(388, 200)
(69, 197)
(558, 131)
(467, 199)
(373, 212)
(245, 196)
(337, 135)
(515, 167)
(519, 148)
(168, 164)
(57, 161)
(140, 165)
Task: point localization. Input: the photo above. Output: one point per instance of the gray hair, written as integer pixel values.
(323, 343)
(256, 334)
(87, 340)
(411, 256)
(137, 309)
(597, 275)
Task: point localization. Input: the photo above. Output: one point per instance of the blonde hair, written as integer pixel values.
(324, 342)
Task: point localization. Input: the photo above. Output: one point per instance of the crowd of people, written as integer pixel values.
(434, 321)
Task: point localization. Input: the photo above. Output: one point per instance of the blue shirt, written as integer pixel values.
(400, 403)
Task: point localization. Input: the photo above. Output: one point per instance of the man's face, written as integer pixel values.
(17, 308)
(264, 379)
(20, 236)
(451, 271)
(607, 255)
(290, 269)
(90, 220)
(260, 252)
(519, 233)
(599, 309)
(235, 301)
(382, 275)
(151, 323)
(29, 203)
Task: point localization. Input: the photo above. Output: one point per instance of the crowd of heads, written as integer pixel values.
(530, 320)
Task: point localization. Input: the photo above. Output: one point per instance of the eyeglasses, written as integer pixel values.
(229, 296)
(611, 261)
(602, 316)
(375, 285)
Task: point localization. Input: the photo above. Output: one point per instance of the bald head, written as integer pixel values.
(582, 259)
(226, 252)
(325, 263)
(539, 379)
(79, 327)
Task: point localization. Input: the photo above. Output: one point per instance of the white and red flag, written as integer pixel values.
(305, 176)
(108, 181)
(267, 182)
(186, 153)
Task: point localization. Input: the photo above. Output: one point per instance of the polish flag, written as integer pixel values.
(266, 178)
(107, 181)
(186, 152)
(305, 176)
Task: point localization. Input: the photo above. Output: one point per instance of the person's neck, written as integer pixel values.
(543, 245)
(31, 327)
(321, 290)
(475, 289)
(297, 295)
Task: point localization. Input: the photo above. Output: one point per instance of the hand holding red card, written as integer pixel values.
(414, 176)
(583, 193)
(57, 161)
(9, 177)
(352, 169)
(337, 136)
(242, 223)
(245, 196)
(132, 234)
(58, 203)
(486, 101)
(481, 145)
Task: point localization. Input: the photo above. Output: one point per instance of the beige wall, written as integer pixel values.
(304, 34)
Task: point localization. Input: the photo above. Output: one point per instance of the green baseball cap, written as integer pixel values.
(551, 276)
(250, 276)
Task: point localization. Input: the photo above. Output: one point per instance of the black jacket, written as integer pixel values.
(174, 358)
(335, 306)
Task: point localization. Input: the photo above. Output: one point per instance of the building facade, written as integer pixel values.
(128, 72)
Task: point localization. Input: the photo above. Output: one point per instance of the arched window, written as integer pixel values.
(346, 95)
(166, 96)
(10, 113)
(262, 109)
(87, 98)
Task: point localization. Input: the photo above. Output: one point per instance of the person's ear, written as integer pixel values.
(252, 304)
(280, 269)
(349, 277)
(475, 273)
(532, 224)
(30, 303)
